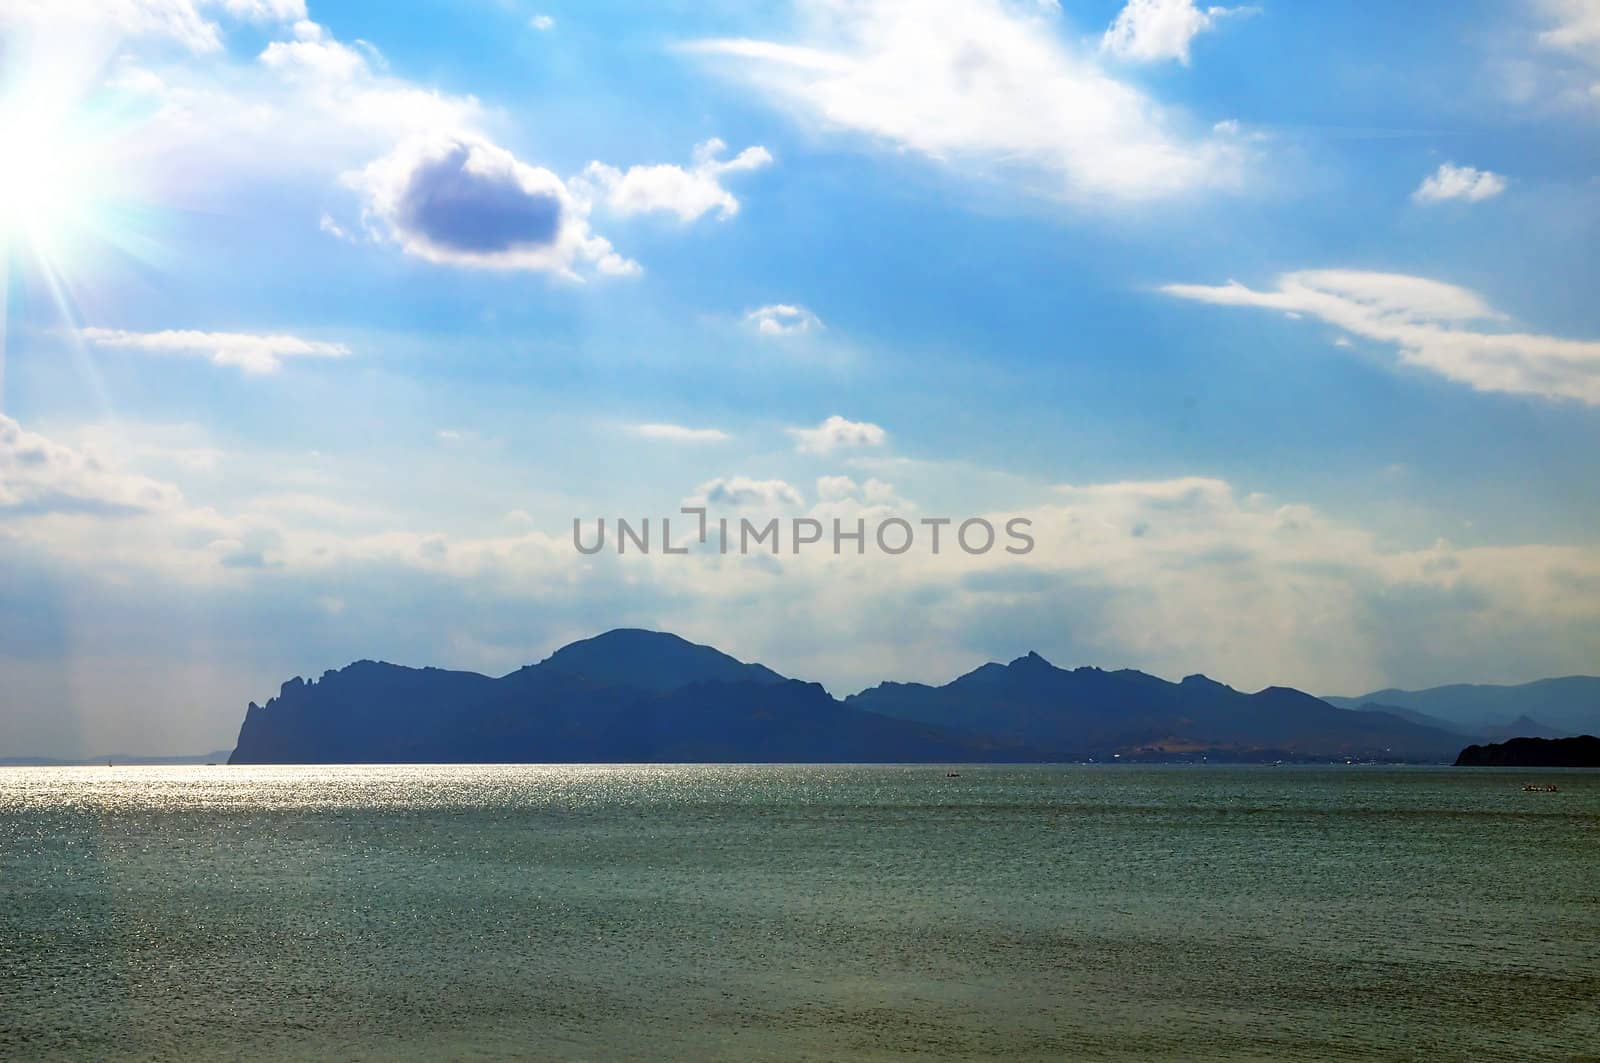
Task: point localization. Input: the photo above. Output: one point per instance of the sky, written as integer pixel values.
(324, 321)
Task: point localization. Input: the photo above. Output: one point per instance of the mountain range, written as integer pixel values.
(644, 696)
(1545, 708)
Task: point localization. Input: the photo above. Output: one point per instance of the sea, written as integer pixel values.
(694, 912)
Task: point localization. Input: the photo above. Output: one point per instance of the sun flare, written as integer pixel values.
(48, 182)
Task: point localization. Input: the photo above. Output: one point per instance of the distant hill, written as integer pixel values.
(1582, 751)
(643, 696)
(625, 696)
(1087, 712)
(1565, 706)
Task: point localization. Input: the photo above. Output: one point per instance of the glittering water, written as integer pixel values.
(782, 912)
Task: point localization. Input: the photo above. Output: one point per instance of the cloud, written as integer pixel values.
(872, 496)
(316, 53)
(979, 82)
(183, 21)
(542, 23)
(836, 488)
(741, 492)
(1566, 66)
(250, 352)
(207, 133)
(313, 112)
(677, 433)
(1128, 573)
(460, 200)
(332, 228)
(1577, 26)
(783, 319)
(836, 433)
(1151, 30)
(688, 193)
(1459, 182)
(1428, 322)
(38, 476)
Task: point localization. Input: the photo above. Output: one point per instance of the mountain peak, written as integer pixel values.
(1031, 660)
(1202, 682)
(652, 660)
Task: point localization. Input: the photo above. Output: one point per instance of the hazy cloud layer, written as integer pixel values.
(1174, 576)
(39, 477)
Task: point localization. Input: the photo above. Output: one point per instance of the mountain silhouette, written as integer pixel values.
(1090, 712)
(626, 696)
(631, 695)
(652, 660)
(1568, 705)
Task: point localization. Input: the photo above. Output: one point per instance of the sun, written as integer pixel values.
(49, 186)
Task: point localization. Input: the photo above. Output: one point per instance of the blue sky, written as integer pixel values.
(322, 325)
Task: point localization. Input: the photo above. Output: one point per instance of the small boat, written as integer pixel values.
(952, 775)
(1534, 788)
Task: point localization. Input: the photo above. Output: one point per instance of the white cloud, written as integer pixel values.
(183, 21)
(1459, 182)
(1577, 26)
(742, 492)
(1124, 574)
(1150, 30)
(542, 23)
(460, 200)
(251, 352)
(677, 433)
(206, 131)
(978, 81)
(1564, 67)
(313, 112)
(836, 433)
(38, 477)
(1428, 322)
(315, 52)
(783, 319)
(688, 193)
(836, 488)
(332, 228)
(844, 499)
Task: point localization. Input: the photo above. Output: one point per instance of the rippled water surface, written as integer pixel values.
(785, 912)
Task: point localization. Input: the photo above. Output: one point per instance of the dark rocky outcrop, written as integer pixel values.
(1582, 751)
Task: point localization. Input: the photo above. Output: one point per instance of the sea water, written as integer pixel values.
(784, 912)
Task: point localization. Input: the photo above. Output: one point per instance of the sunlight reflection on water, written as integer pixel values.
(774, 911)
